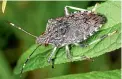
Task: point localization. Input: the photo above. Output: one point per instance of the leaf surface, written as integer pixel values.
(114, 74)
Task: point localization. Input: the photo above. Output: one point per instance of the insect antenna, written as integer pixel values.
(21, 29)
(27, 60)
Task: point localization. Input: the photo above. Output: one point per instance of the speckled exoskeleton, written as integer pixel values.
(73, 28)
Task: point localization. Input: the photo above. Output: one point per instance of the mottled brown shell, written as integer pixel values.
(71, 29)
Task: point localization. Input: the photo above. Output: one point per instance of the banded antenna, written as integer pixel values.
(32, 51)
(27, 60)
(21, 29)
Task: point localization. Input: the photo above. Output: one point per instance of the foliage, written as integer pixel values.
(113, 74)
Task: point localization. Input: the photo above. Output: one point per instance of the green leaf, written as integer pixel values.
(114, 74)
(39, 58)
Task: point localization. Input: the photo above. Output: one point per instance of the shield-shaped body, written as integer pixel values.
(71, 29)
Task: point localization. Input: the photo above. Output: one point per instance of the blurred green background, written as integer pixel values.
(32, 16)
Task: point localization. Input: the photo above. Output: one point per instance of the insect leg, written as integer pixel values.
(69, 56)
(79, 9)
(52, 54)
(66, 11)
(99, 39)
(27, 60)
(75, 8)
(95, 7)
(85, 45)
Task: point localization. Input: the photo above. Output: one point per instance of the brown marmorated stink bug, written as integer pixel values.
(73, 28)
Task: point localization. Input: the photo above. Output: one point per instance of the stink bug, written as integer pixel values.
(73, 28)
